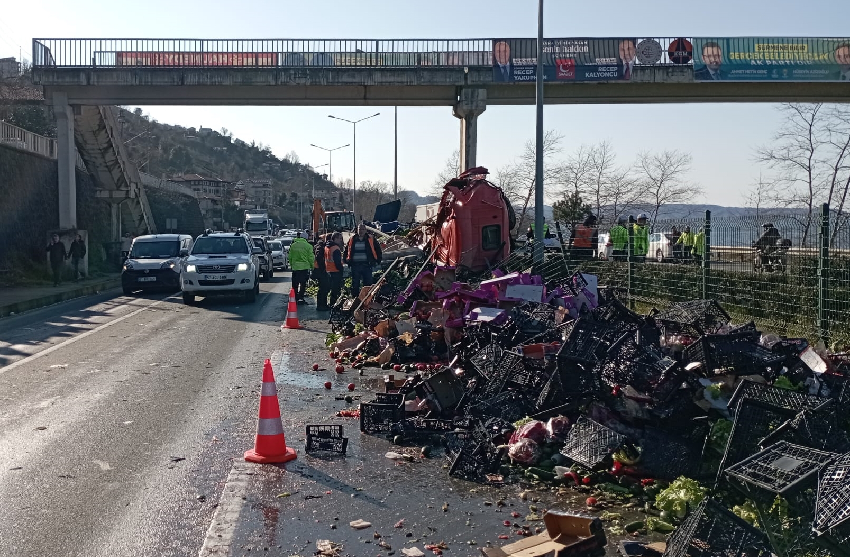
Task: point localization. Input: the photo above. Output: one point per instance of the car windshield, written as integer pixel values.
(286, 241)
(219, 245)
(155, 249)
(256, 226)
(274, 245)
(259, 243)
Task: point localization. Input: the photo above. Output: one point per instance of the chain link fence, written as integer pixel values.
(800, 289)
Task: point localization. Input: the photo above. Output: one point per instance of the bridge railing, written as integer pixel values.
(17, 137)
(274, 53)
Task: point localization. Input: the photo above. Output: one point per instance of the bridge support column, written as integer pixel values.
(471, 104)
(116, 220)
(67, 161)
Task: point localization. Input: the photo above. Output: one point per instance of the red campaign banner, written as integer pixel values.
(205, 59)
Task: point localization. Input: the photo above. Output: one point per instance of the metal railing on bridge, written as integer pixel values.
(329, 53)
(17, 137)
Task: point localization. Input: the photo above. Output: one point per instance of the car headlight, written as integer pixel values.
(128, 266)
(190, 268)
(167, 264)
(242, 267)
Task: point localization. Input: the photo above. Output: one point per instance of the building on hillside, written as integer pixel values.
(208, 186)
(238, 197)
(205, 131)
(258, 191)
(9, 68)
(213, 212)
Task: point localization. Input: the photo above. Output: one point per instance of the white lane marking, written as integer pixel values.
(80, 336)
(220, 533)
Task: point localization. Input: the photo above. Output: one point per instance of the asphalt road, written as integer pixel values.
(117, 413)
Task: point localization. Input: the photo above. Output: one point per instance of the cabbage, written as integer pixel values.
(682, 494)
(534, 430)
(524, 451)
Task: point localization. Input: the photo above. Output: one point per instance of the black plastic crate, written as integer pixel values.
(705, 316)
(741, 352)
(832, 508)
(389, 398)
(577, 378)
(507, 365)
(754, 420)
(783, 398)
(378, 418)
(713, 530)
(508, 405)
(587, 341)
(420, 426)
(342, 312)
(667, 456)
(476, 460)
(533, 318)
(618, 315)
(590, 443)
(325, 437)
(486, 360)
(641, 366)
(783, 468)
(822, 428)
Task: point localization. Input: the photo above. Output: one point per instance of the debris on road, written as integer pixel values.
(412, 552)
(325, 547)
(360, 524)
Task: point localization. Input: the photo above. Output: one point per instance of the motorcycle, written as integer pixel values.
(773, 261)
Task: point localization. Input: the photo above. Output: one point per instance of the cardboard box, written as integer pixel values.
(566, 534)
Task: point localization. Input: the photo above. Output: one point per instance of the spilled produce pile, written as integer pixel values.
(727, 441)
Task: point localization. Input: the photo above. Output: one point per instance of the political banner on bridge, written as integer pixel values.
(771, 59)
(574, 60)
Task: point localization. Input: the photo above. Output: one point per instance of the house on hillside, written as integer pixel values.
(258, 191)
(9, 68)
(209, 186)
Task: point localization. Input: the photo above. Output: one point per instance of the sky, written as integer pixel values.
(720, 137)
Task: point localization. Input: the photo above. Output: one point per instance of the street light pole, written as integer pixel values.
(330, 158)
(538, 149)
(354, 142)
(395, 159)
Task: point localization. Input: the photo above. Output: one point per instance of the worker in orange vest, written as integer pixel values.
(585, 238)
(333, 265)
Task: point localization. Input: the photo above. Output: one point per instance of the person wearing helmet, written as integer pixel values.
(641, 233)
(618, 238)
(767, 243)
(686, 240)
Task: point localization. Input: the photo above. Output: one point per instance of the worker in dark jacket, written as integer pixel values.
(361, 255)
(77, 252)
(333, 265)
(320, 274)
(57, 255)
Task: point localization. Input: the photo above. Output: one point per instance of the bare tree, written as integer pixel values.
(451, 169)
(810, 158)
(761, 193)
(663, 178)
(522, 172)
(608, 188)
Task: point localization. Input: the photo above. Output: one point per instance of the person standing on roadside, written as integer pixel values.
(57, 254)
(362, 254)
(77, 252)
(618, 238)
(333, 265)
(320, 273)
(301, 261)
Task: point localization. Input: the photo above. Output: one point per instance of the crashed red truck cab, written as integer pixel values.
(474, 222)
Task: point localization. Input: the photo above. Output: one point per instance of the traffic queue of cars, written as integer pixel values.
(215, 263)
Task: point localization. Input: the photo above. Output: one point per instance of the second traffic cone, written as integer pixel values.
(270, 443)
(292, 312)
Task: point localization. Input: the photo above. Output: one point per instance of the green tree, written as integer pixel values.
(571, 209)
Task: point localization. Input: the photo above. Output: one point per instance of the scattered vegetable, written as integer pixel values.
(679, 496)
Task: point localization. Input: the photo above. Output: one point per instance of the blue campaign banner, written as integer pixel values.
(570, 60)
(786, 59)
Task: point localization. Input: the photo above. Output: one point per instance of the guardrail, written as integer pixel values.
(274, 53)
(22, 139)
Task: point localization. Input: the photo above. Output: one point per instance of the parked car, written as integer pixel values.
(280, 255)
(265, 258)
(661, 246)
(221, 264)
(154, 261)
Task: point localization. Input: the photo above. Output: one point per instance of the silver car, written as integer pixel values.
(221, 264)
(279, 255)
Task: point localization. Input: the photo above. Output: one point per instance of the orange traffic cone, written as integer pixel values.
(292, 312)
(270, 443)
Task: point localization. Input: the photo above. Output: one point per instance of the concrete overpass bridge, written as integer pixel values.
(455, 73)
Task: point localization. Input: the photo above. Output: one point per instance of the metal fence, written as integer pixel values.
(17, 137)
(802, 292)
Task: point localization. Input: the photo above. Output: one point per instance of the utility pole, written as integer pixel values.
(538, 149)
(395, 166)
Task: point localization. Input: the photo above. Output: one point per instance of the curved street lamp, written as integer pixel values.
(354, 141)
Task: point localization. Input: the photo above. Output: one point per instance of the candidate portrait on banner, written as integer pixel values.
(712, 57)
(502, 62)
